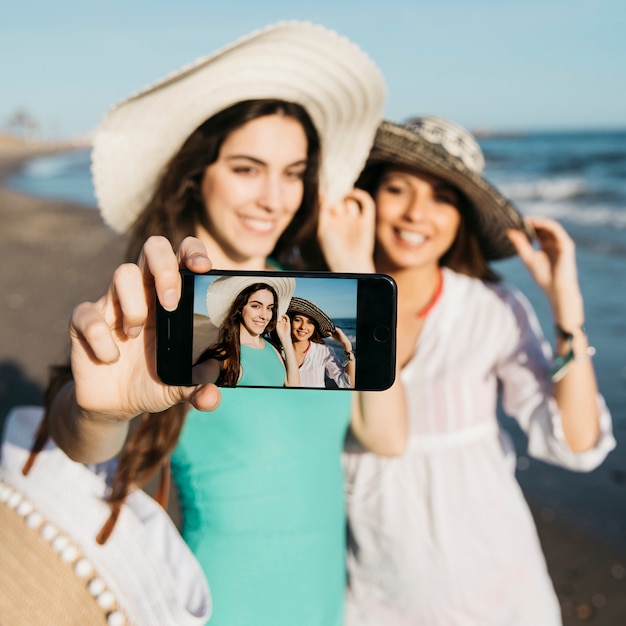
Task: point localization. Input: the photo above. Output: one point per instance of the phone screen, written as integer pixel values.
(280, 329)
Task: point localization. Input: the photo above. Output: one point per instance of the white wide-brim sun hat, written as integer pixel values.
(223, 290)
(340, 87)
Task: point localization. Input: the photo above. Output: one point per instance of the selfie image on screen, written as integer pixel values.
(274, 331)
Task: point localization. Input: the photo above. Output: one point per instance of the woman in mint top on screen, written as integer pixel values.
(226, 159)
(244, 316)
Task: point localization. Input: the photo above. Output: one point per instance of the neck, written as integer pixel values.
(248, 339)
(417, 286)
(224, 260)
(301, 345)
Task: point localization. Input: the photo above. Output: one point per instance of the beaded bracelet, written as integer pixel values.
(562, 363)
(349, 354)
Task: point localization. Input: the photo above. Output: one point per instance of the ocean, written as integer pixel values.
(578, 178)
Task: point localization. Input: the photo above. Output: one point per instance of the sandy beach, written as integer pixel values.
(56, 254)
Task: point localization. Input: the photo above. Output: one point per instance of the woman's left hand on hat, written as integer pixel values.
(283, 328)
(347, 232)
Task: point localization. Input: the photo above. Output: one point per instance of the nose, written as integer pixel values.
(270, 197)
(420, 202)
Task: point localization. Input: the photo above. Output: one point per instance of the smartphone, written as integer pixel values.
(197, 342)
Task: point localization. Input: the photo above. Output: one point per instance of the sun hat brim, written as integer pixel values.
(493, 213)
(63, 502)
(310, 309)
(38, 585)
(223, 290)
(342, 90)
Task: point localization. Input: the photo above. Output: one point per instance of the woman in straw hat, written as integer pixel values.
(224, 157)
(316, 360)
(443, 534)
(245, 309)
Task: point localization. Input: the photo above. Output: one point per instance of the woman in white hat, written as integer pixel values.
(317, 361)
(224, 157)
(246, 309)
(443, 535)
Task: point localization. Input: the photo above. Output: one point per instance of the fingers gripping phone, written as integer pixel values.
(280, 329)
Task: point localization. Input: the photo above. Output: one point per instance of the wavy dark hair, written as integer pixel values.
(228, 346)
(464, 255)
(174, 211)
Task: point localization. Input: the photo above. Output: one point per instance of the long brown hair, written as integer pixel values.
(177, 208)
(464, 255)
(174, 211)
(228, 346)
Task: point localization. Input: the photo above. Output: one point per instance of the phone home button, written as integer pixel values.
(382, 333)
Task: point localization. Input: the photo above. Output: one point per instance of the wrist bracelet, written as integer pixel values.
(566, 335)
(561, 363)
(348, 354)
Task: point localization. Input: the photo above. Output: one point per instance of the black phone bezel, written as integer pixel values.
(376, 328)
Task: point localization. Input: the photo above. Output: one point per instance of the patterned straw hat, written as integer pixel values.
(308, 308)
(340, 87)
(443, 149)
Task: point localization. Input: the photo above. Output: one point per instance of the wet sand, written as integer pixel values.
(56, 254)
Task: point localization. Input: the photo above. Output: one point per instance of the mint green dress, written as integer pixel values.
(261, 491)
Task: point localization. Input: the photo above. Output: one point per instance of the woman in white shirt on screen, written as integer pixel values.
(317, 360)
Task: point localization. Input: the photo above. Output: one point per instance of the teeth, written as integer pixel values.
(411, 237)
(262, 226)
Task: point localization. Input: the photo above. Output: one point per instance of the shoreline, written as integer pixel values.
(14, 153)
(57, 254)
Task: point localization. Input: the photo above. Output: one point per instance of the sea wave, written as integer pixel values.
(57, 165)
(590, 215)
(544, 189)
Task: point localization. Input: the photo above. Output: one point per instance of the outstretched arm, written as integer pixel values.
(379, 419)
(350, 360)
(113, 356)
(553, 267)
(347, 234)
(283, 330)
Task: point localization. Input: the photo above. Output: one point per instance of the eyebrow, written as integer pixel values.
(440, 185)
(446, 186)
(258, 302)
(247, 157)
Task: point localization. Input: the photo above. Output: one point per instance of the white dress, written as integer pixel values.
(443, 536)
(320, 361)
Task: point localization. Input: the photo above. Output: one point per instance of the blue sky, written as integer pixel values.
(495, 64)
(337, 297)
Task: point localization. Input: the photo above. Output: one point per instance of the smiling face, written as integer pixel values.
(253, 190)
(302, 327)
(417, 220)
(257, 313)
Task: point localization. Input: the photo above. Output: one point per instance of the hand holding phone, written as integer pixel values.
(230, 326)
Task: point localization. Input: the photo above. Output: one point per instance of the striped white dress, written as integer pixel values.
(443, 536)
